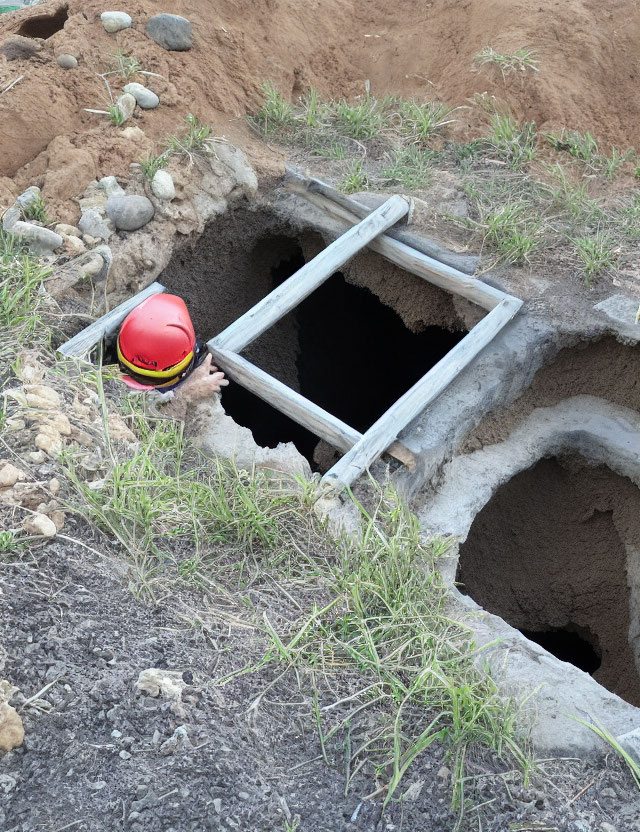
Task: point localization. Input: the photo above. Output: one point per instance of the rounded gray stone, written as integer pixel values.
(128, 213)
(41, 240)
(170, 31)
(126, 104)
(67, 61)
(145, 98)
(115, 21)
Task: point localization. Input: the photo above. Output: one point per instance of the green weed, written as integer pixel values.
(36, 210)
(609, 738)
(511, 141)
(363, 120)
(276, 112)
(9, 544)
(152, 164)
(388, 623)
(196, 139)
(419, 123)
(124, 65)
(355, 178)
(519, 61)
(22, 304)
(116, 115)
(598, 254)
(409, 167)
(584, 147)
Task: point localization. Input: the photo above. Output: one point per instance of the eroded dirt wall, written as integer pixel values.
(604, 368)
(548, 551)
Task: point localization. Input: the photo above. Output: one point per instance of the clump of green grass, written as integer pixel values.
(36, 210)
(362, 120)
(195, 140)
(152, 164)
(584, 147)
(598, 254)
(410, 168)
(275, 113)
(124, 65)
(419, 123)
(116, 116)
(519, 61)
(512, 141)
(355, 178)
(22, 304)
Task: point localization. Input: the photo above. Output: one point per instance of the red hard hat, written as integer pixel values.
(156, 341)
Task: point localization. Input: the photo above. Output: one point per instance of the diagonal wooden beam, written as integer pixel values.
(414, 401)
(328, 427)
(301, 284)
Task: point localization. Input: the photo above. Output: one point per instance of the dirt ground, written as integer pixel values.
(586, 57)
(97, 756)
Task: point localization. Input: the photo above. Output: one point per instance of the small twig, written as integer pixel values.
(70, 825)
(11, 85)
(38, 694)
(581, 792)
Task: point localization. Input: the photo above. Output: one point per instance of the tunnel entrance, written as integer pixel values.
(44, 25)
(547, 554)
(342, 348)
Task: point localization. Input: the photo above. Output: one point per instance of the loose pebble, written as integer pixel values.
(170, 31)
(110, 184)
(145, 98)
(125, 755)
(70, 230)
(92, 223)
(39, 525)
(115, 21)
(9, 475)
(126, 104)
(67, 61)
(162, 185)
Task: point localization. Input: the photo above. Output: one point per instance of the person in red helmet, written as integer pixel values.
(158, 350)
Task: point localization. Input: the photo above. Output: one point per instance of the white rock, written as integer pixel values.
(62, 228)
(40, 525)
(156, 682)
(115, 21)
(67, 61)
(73, 246)
(126, 104)
(162, 185)
(11, 729)
(146, 98)
(9, 475)
(110, 183)
(40, 395)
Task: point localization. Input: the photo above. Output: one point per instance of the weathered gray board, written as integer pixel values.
(82, 343)
(361, 452)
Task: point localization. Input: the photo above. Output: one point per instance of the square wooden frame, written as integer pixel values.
(360, 450)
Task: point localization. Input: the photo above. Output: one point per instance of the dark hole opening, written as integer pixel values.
(44, 26)
(341, 348)
(568, 646)
(546, 555)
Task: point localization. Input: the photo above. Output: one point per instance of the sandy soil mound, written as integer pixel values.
(586, 80)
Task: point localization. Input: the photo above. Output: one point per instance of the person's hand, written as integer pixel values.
(203, 382)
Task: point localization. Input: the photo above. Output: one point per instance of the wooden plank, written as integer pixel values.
(300, 285)
(297, 407)
(447, 278)
(385, 430)
(363, 204)
(81, 343)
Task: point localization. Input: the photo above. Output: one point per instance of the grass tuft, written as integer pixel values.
(152, 164)
(37, 211)
(124, 65)
(519, 61)
(598, 254)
